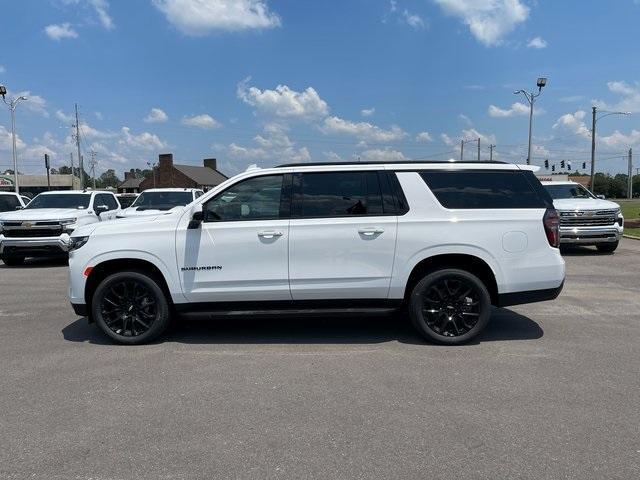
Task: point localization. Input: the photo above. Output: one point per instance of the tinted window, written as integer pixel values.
(256, 198)
(340, 194)
(483, 189)
(568, 191)
(112, 203)
(162, 200)
(61, 200)
(8, 203)
(104, 199)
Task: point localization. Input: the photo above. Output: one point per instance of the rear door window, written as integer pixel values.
(486, 189)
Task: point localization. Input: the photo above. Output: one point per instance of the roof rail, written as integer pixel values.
(380, 162)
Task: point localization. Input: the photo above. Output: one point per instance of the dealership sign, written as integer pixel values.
(6, 181)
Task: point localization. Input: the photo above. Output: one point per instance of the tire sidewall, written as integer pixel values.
(417, 317)
(159, 325)
(12, 261)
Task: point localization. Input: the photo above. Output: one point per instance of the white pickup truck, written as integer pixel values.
(584, 218)
(42, 228)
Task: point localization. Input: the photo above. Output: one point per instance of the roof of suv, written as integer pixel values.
(172, 190)
(73, 192)
(408, 162)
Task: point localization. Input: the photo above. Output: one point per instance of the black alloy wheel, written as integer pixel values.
(450, 306)
(130, 307)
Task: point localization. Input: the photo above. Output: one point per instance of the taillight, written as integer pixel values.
(551, 222)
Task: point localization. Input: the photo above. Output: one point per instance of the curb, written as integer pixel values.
(632, 238)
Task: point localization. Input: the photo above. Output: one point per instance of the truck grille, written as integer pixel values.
(31, 229)
(588, 218)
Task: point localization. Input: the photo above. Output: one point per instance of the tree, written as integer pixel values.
(108, 179)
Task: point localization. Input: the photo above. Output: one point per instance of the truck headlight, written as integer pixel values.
(77, 242)
(68, 225)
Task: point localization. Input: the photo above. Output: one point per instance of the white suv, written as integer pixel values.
(43, 227)
(444, 240)
(584, 218)
(10, 201)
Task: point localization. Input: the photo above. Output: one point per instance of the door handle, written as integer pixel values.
(269, 234)
(370, 231)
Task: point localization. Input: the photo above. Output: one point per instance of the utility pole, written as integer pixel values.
(461, 150)
(93, 167)
(81, 167)
(73, 175)
(491, 147)
(478, 149)
(593, 147)
(630, 179)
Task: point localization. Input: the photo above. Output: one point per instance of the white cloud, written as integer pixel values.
(2, 69)
(618, 140)
(382, 155)
(63, 117)
(537, 42)
(446, 139)
(6, 142)
(156, 115)
(424, 137)
(415, 21)
(488, 20)
(88, 132)
(58, 32)
(362, 130)
(145, 140)
(204, 121)
(98, 115)
(367, 112)
(283, 102)
(34, 103)
(332, 156)
(516, 109)
(465, 119)
(574, 122)
(473, 134)
(630, 97)
(201, 17)
(102, 10)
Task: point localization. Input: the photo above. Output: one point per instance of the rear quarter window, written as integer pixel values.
(486, 189)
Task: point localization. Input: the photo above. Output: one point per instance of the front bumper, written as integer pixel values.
(590, 235)
(34, 247)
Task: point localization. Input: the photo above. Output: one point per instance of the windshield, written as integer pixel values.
(8, 203)
(162, 200)
(560, 191)
(61, 200)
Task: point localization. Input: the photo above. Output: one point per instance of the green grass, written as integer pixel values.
(635, 232)
(630, 208)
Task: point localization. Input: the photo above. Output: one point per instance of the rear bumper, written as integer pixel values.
(34, 247)
(530, 296)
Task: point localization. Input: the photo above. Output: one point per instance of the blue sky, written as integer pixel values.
(273, 81)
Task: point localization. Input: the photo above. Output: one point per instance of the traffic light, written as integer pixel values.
(546, 164)
(46, 161)
(562, 164)
(569, 166)
(584, 165)
(553, 168)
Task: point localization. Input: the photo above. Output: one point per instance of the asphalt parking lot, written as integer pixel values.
(550, 390)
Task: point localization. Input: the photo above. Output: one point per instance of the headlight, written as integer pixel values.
(68, 225)
(77, 242)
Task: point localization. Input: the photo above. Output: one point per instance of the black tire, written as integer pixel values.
(12, 260)
(450, 306)
(607, 247)
(130, 307)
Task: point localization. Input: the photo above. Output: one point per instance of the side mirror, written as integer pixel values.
(601, 197)
(19, 207)
(196, 218)
(101, 209)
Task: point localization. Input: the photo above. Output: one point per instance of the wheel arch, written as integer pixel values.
(462, 261)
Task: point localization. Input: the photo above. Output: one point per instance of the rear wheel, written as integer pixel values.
(450, 306)
(607, 247)
(131, 307)
(12, 260)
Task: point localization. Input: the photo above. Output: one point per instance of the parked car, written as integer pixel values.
(159, 201)
(10, 201)
(586, 219)
(446, 241)
(126, 199)
(42, 228)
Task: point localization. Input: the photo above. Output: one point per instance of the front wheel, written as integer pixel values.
(131, 307)
(607, 247)
(450, 306)
(12, 260)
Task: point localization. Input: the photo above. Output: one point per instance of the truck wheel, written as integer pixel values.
(130, 307)
(450, 306)
(12, 260)
(607, 247)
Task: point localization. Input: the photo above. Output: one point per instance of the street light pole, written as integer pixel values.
(531, 98)
(594, 121)
(12, 104)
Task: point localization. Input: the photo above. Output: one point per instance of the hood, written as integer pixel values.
(135, 212)
(126, 224)
(43, 214)
(584, 204)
